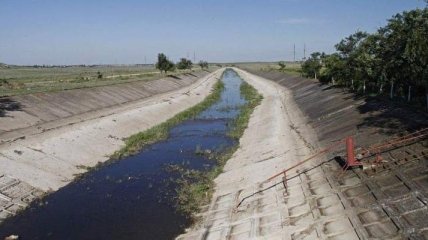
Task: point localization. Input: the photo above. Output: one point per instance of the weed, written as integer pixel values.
(253, 99)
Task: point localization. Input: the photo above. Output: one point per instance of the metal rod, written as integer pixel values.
(307, 159)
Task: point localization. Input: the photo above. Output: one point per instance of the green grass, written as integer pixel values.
(159, 132)
(195, 188)
(295, 71)
(253, 99)
(292, 68)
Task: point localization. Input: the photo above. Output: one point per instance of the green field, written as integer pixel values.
(17, 80)
(292, 68)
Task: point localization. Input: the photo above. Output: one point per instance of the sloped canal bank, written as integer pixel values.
(131, 198)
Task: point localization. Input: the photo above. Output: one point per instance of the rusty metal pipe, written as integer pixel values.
(325, 150)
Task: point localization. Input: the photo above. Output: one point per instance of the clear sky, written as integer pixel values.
(128, 31)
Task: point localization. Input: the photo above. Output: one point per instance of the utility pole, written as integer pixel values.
(194, 56)
(145, 60)
(304, 51)
(294, 53)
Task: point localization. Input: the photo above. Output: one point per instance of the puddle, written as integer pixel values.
(130, 198)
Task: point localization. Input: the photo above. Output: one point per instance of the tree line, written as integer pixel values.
(392, 61)
(166, 65)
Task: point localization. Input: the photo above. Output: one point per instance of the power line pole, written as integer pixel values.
(294, 52)
(304, 51)
(194, 56)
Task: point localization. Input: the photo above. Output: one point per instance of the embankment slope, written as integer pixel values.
(48, 159)
(389, 199)
(297, 118)
(277, 137)
(55, 109)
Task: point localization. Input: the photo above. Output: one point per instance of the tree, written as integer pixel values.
(405, 52)
(203, 64)
(281, 65)
(99, 75)
(312, 66)
(396, 55)
(184, 64)
(347, 49)
(164, 64)
(334, 66)
(416, 50)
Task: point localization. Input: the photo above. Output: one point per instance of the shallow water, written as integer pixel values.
(130, 198)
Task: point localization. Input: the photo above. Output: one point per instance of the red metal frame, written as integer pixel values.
(351, 161)
(325, 150)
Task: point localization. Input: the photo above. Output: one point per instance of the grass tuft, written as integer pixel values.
(253, 99)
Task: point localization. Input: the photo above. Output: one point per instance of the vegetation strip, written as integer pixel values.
(136, 142)
(195, 188)
(389, 62)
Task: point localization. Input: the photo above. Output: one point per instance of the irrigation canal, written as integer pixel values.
(131, 198)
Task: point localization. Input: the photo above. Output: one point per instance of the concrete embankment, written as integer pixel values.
(389, 198)
(277, 137)
(296, 119)
(54, 109)
(50, 158)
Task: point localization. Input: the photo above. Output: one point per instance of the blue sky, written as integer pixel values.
(128, 31)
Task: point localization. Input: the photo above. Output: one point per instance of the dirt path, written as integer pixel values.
(49, 160)
(277, 137)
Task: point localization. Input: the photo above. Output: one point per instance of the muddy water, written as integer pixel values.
(131, 198)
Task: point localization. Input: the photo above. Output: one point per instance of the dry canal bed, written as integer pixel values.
(133, 198)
